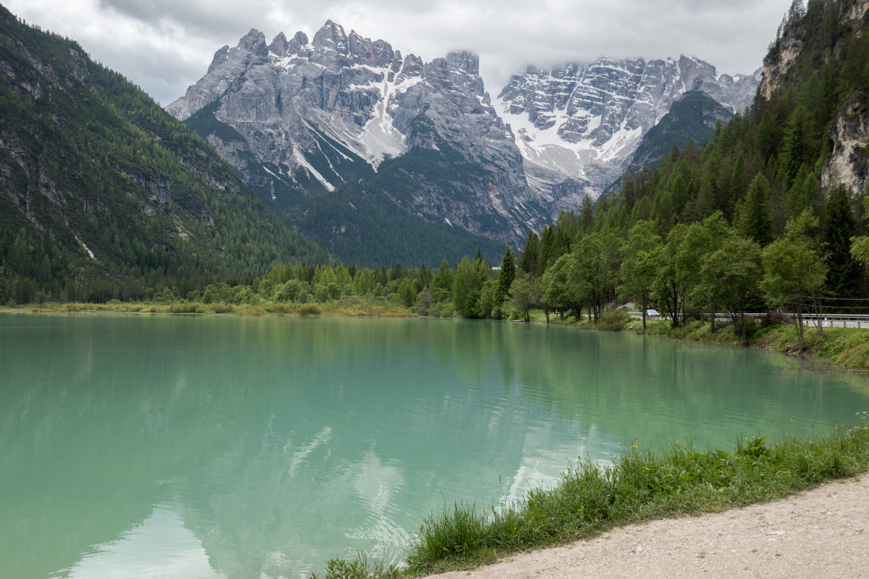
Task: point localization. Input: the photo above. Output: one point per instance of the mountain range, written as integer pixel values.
(333, 129)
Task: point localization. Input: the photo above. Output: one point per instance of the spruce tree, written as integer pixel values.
(843, 275)
(765, 141)
(586, 215)
(755, 222)
(530, 255)
(505, 278)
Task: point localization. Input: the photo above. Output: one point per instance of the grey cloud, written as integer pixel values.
(197, 16)
(175, 39)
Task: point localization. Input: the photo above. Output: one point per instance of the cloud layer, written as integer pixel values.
(166, 45)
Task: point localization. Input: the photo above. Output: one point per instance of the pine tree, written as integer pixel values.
(843, 274)
(530, 255)
(737, 181)
(505, 279)
(586, 216)
(765, 141)
(755, 222)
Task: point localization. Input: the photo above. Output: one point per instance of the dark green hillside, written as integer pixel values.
(101, 190)
(691, 118)
(363, 227)
(365, 220)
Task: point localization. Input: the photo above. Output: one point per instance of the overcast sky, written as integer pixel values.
(166, 45)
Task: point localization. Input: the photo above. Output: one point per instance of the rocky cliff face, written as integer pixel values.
(310, 117)
(848, 165)
(581, 125)
(304, 118)
(797, 45)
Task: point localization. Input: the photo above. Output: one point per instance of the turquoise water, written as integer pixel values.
(182, 447)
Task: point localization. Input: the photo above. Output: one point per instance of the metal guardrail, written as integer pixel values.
(860, 321)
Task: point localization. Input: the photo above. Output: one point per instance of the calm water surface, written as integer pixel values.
(185, 447)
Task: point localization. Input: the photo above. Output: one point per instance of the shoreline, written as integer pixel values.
(838, 349)
(819, 532)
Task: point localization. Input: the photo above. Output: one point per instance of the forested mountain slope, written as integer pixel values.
(692, 118)
(100, 188)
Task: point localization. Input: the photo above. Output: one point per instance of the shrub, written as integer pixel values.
(308, 310)
(614, 320)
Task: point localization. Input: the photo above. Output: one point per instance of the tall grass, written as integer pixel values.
(642, 484)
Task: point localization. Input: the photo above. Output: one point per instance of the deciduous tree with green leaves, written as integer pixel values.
(638, 265)
(468, 283)
(730, 276)
(794, 270)
(699, 242)
(525, 295)
(669, 283)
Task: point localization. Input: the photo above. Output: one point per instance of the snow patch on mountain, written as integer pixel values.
(581, 124)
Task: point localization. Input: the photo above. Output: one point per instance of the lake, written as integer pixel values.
(231, 447)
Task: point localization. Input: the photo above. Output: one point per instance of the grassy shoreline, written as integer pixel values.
(844, 349)
(641, 485)
(838, 348)
(349, 309)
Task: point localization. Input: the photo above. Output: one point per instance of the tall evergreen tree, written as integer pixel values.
(530, 255)
(737, 182)
(547, 249)
(799, 144)
(754, 219)
(843, 276)
(765, 141)
(505, 279)
(586, 216)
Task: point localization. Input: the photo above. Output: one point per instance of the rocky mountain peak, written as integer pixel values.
(582, 124)
(316, 118)
(299, 41)
(693, 68)
(437, 73)
(279, 45)
(331, 37)
(464, 71)
(377, 54)
(413, 66)
(227, 65)
(254, 42)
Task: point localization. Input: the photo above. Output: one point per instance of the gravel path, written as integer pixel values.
(819, 533)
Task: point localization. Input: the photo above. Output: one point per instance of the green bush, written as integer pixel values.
(308, 310)
(614, 320)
